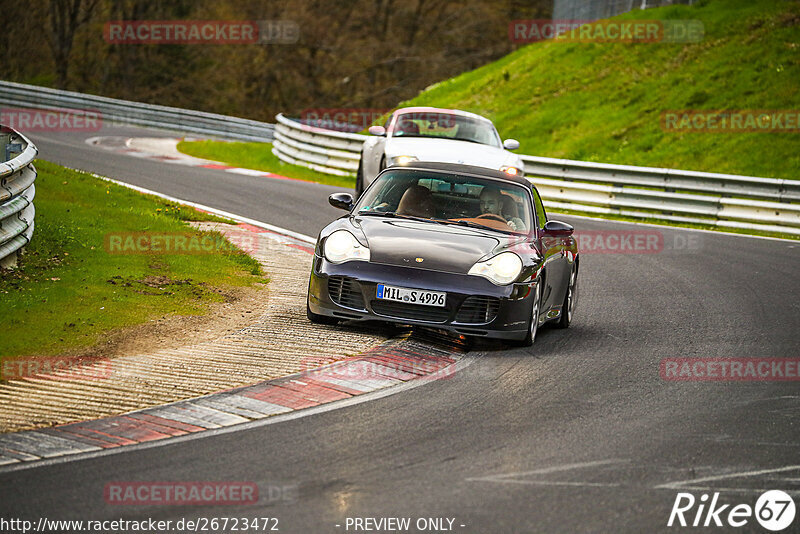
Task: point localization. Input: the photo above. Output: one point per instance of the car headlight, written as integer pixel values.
(403, 160)
(511, 170)
(501, 269)
(343, 246)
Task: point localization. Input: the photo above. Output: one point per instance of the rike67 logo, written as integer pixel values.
(774, 510)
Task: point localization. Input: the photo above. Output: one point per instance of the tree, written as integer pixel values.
(64, 19)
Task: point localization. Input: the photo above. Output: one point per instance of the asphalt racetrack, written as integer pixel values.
(579, 433)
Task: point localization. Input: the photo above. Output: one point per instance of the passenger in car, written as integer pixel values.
(510, 210)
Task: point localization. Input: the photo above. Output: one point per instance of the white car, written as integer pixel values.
(435, 135)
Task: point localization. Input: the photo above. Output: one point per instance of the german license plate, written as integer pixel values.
(412, 296)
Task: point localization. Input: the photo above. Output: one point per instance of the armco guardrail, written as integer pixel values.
(323, 150)
(16, 196)
(111, 110)
(723, 200)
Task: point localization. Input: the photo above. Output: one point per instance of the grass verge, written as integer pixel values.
(259, 156)
(69, 290)
(603, 102)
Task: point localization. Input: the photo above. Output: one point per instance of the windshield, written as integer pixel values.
(449, 199)
(446, 126)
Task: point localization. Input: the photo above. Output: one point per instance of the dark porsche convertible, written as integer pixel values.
(446, 246)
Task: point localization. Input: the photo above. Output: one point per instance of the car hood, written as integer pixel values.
(451, 151)
(446, 248)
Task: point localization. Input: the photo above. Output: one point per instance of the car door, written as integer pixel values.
(554, 251)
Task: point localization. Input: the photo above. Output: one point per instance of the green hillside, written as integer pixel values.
(603, 101)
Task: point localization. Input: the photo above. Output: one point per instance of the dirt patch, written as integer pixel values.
(160, 285)
(241, 306)
(254, 334)
(789, 19)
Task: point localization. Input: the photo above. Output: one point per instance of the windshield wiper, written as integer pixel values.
(458, 222)
(392, 214)
(471, 224)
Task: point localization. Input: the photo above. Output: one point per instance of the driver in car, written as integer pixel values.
(491, 203)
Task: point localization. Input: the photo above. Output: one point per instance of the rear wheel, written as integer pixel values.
(569, 300)
(319, 319)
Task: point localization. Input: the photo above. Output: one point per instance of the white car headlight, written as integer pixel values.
(512, 171)
(501, 269)
(403, 160)
(343, 246)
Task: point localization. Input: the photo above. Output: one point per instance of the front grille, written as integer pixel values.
(345, 292)
(401, 310)
(478, 310)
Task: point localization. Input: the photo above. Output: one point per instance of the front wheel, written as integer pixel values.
(533, 326)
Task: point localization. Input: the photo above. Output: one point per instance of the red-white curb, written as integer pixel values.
(394, 363)
(163, 150)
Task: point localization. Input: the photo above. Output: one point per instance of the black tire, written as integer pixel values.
(533, 324)
(568, 308)
(319, 319)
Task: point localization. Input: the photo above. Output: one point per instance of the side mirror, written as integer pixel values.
(377, 130)
(511, 144)
(343, 201)
(558, 229)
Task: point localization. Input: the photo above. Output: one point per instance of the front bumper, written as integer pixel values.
(474, 306)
